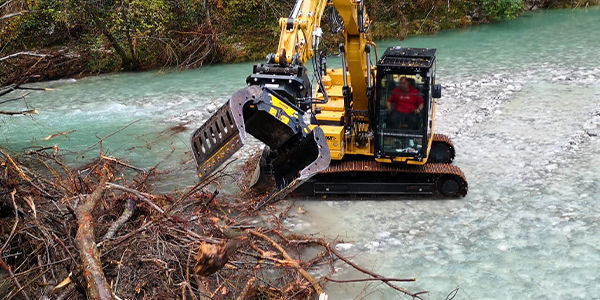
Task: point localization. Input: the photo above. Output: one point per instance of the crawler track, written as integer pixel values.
(371, 177)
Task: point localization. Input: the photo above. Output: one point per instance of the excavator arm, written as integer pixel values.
(299, 31)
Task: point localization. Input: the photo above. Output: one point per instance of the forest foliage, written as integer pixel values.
(113, 35)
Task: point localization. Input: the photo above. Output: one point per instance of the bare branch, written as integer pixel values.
(20, 13)
(5, 4)
(374, 275)
(370, 279)
(27, 53)
(119, 162)
(3, 264)
(127, 213)
(14, 99)
(25, 112)
(58, 134)
(17, 86)
(107, 136)
(290, 260)
(7, 89)
(142, 196)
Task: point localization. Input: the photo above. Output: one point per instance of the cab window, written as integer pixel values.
(401, 113)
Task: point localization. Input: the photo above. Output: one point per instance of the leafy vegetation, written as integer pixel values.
(110, 35)
(501, 10)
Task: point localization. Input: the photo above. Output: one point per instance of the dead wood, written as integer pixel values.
(190, 243)
(58, 134)
(213, 257)
(140, 195)
(15, 14)
(3, 264)
(370, 279)
(122, 163)
(27, 53)
(316, 286)
(97, 286)
(244, 294)
(24, 112)
(6, 3)
(14, 99)
(107, 136)
(125, 216)
(365, 271)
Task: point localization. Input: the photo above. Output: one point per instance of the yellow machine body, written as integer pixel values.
(339, 138)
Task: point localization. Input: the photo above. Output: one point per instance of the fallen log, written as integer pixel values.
(97, 286)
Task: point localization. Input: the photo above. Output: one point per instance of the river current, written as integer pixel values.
(521, 101)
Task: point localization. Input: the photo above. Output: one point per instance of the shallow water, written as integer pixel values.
(521, 102)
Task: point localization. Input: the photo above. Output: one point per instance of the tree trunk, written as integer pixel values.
(93, 12)
(135, 64)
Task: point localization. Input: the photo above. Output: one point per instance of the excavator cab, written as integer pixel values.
(404, 92)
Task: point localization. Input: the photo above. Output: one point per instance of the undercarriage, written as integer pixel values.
(368, 177)
(363, 176)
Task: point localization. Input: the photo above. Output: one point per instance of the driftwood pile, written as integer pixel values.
(99, 232)
(28, 66)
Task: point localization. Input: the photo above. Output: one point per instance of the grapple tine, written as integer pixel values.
(321, 161)
(223, 134)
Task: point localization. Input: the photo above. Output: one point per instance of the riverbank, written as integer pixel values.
(57, 39)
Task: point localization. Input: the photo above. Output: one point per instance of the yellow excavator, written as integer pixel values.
(350, 134)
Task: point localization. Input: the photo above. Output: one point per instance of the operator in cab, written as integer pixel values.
(404, 105)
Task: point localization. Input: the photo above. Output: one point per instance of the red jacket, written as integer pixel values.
(405, 102)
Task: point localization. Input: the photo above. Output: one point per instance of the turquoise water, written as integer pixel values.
(521, 101)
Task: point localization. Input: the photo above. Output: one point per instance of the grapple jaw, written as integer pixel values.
(296, 152)
(290, 169)
(223, 133)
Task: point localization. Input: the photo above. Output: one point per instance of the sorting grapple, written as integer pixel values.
(295, 152)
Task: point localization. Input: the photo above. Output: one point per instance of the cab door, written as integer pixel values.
(401, 108)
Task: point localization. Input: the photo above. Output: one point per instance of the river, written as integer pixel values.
(521, 102)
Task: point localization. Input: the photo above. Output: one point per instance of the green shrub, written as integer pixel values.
(502, 10)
